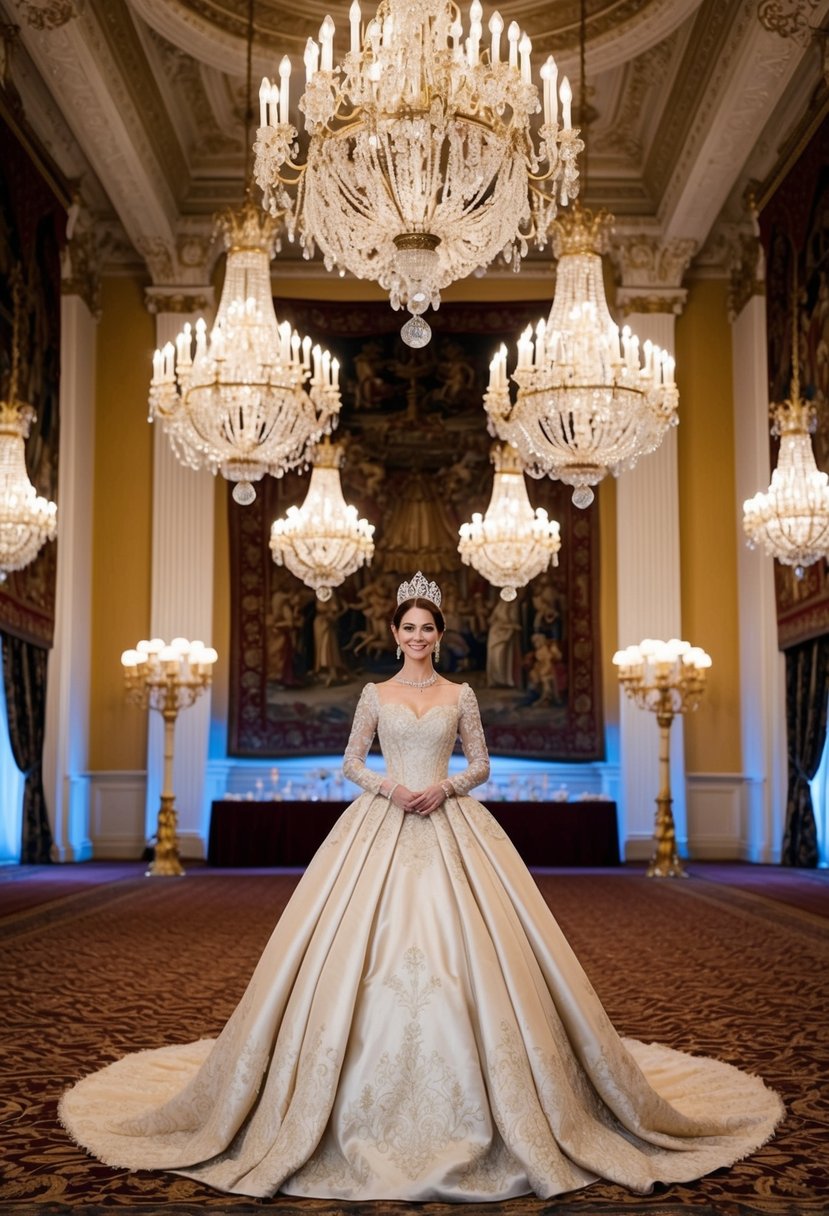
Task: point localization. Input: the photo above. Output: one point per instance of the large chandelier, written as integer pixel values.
(420, 166)
(323, 541)
(239, 404)
(791, 519)
(585, 405)
(27, 520)
(511, 543)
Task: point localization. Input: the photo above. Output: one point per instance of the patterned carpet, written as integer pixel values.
(699, 965)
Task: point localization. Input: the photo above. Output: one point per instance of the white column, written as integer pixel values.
(181, 606)
(66, 743)
(649, 606)
(762, 666)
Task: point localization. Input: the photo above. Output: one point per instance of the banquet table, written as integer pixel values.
(249, 833)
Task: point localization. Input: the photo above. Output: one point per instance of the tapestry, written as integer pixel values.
(795, 233)
(417, 464)
(32, 222)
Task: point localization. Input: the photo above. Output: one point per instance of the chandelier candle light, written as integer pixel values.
(168, 679)
(239, 404)
(323, 541)
(420, 166)
(791, 519)
(586, 404)
(668, 678)
(511, 543)
(27, 520)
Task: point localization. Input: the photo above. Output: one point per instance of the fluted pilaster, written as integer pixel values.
(649, 606)
(66, 740)
(182, 592)
(762, 667)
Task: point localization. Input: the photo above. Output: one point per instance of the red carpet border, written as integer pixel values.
(140, 963)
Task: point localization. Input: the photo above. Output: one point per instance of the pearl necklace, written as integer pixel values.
(419, 684)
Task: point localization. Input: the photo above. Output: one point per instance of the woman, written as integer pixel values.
(417, 1027)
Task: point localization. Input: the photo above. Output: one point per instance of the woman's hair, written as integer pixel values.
(419, 602)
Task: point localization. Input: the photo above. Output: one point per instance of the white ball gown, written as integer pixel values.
(418, 1028)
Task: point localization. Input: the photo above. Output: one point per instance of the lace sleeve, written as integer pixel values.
(473, 742)
(360, 740)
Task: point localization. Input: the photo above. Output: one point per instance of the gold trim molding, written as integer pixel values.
(178, 300)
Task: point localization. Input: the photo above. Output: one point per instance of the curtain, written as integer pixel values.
(24, 677)
(807, 686)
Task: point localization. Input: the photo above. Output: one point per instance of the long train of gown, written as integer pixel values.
(418, 1028)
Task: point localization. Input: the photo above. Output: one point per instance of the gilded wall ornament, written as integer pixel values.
(48, 14)
(788, 18)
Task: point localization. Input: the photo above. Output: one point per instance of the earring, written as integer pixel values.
(398, 652)
(436, 655)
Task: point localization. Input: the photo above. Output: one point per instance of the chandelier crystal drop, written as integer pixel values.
(585, 405)
(790, 520)
(323, 541)
(511, 543)
(27, 520)
(420, 165)
(240, 403)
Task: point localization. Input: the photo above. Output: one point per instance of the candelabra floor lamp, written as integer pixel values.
(167, 679)
(667, 678)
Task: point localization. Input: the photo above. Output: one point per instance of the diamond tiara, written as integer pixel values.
(419, 588)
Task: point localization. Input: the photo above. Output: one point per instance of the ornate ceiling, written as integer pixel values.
(141, 103)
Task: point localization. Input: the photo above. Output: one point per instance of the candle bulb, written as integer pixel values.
(317, 353)
(525, 46)
(326, 367)
(335, 373)
(264, 91)
(310, 58)
(496, 26)
(354, 16)
(306, 352)
(327, 44)
(514, 37)
(158, 366)
(566, 94)
(548, 70)
(284, 88)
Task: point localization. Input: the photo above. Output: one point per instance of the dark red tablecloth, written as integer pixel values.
(288, 833)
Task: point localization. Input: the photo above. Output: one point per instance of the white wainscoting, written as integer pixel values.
(718, 816)
(117, 814)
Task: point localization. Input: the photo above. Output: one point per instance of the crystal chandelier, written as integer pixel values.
(27, 520)
(323, 541)
(511, 543)
(239, 405)
(791, 519)
(420, 166)
(585, 406)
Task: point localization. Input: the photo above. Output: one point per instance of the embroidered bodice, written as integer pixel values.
(416, 748)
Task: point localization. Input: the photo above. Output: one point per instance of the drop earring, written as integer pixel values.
(398, 652)
(436, 655)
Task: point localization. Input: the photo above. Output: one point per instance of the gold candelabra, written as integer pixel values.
(668, 678)
(168, 679)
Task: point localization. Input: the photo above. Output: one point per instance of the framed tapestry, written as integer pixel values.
(417, 464)
(795, 233)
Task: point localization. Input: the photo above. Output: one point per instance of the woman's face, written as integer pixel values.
(417, 633)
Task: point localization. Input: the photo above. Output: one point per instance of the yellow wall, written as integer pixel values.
(707, 523)
(122, 521)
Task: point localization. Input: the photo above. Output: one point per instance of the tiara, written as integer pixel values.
(418, 588)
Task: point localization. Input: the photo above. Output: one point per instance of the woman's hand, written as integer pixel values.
(428, 800)
(403, 797)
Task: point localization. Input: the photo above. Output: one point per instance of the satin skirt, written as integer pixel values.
(418, 1028)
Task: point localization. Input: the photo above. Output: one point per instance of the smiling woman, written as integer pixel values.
(418, 1027)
